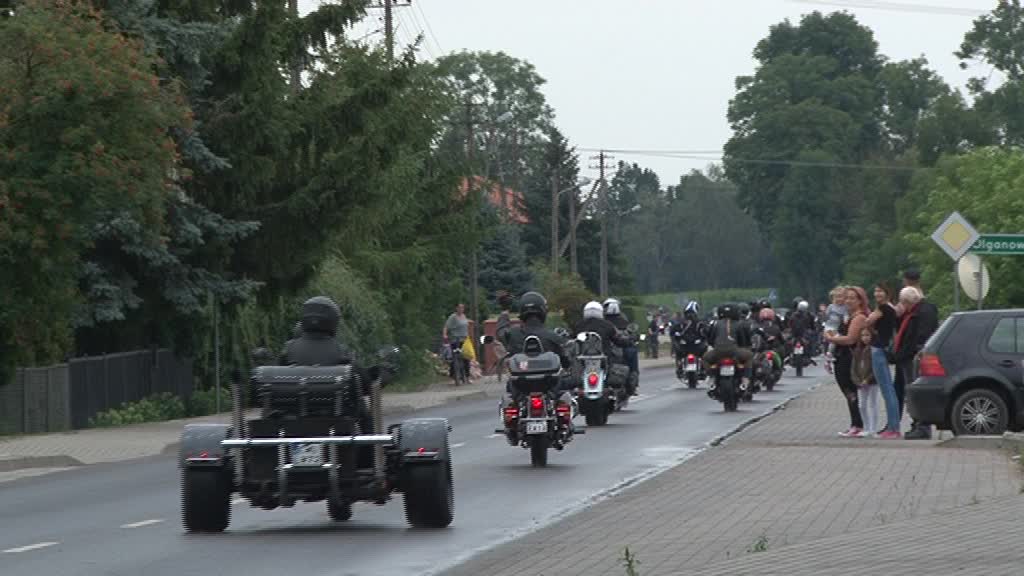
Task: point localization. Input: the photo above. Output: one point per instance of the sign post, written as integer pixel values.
(956, 237)
(999, 244)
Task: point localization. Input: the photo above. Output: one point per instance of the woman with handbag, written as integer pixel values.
(883, 320)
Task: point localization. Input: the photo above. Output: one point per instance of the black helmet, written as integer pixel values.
(320, 314)
(764, 303)
(533, 304)
(728, 311)
(744, 310)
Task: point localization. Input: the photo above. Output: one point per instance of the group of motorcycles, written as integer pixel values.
(549, 397)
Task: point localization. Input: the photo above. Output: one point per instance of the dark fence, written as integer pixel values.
(66, 396)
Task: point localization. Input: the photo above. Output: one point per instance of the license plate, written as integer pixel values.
(799, 351)
(728, 370)
(691, 367)
(307, 454)
(537, 427)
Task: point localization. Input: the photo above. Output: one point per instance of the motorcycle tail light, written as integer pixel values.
(536, 404)
(511, 413)
(727, 362)
(770, 356)
(690, 358)
(563, 410)
(592, 380)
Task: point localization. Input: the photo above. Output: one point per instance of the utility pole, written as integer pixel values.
(471, 189)
(555, 188)
(572, 235)
(602, 188)
(296, 67)
(389, 22)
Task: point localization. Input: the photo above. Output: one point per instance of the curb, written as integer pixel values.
(1008, 441)
(24, 462)
(718, 440)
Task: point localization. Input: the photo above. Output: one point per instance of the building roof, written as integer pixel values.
(510, 202)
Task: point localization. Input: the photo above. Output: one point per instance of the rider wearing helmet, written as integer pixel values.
(689, 334)
(772, 334)
(613, 313)
(801, 322)
(729, 337)
(533, 312)
(594, 321)
(316, 344)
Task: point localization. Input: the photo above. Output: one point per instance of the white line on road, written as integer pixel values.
(30, 547)
(495, 436)
(238, 500)
(639, 398)
(459, 445)
(143, 523)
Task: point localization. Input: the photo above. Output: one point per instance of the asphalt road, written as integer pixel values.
(124, 519)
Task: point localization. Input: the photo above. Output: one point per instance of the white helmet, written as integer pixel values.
(611, 307)
(593, 310)
(803, 306)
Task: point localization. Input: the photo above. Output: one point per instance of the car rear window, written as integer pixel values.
(1004, 337)
(932, 345)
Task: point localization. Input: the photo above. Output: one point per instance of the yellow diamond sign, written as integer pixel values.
(955, 236)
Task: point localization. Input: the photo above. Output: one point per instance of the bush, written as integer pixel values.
(156, 408)
(204, 402)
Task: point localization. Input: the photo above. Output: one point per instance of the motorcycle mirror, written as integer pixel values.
(581, 337)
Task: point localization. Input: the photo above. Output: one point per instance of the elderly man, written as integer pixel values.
(918, 322)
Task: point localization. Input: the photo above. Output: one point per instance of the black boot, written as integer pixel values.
(918, 431)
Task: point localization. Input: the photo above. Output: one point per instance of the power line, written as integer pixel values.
(897, 7)
(717, 155)
(427, 36)
(430, 30)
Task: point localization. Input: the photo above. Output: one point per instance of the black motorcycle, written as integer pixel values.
(725, 383)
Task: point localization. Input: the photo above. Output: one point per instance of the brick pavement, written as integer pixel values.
(787, 480)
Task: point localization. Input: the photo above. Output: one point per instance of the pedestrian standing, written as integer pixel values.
(845, 340)
(883, 321)
(919, 321)
(863, 375)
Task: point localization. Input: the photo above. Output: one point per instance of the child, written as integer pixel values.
(835, 315)
(867, 389)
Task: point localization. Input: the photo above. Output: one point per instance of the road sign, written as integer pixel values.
(955, 236)
(974, 277)
(999, 244)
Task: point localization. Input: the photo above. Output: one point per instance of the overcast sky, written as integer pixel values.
(659, 74)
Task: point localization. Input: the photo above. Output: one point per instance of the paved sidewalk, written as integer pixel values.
(789, 488)
(95, 446)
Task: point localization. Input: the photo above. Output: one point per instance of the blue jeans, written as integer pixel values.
(884, 378)
(632, 358)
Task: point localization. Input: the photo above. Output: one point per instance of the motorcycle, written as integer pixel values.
(689, 367)
(766, 373)
(538, 418)
(597, 397)
(724, 383)
(799, 358)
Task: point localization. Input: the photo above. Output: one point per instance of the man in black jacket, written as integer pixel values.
(919, 321)
(594, 321)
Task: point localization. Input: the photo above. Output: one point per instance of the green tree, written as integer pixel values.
(984, 186)
(84, 131)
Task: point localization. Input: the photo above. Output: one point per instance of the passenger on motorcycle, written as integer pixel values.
(689, 335)
(613, 313)
(594, 321)
(730, 337)
(533, 311)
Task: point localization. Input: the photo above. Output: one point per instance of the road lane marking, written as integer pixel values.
(495, 436)
(238, 500)
(30, 547)
(640, 398)
(459, 445)
(143, 523)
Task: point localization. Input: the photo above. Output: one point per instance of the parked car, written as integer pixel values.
(971, 374)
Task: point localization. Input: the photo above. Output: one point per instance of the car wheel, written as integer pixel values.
(980, 411)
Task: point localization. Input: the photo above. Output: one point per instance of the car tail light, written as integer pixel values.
(690, 358)
(536, 405)
(931, 366)
(727, 362)
(592, 380)
(511, 413)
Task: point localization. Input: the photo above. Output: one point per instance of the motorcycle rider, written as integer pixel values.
(594, 321)
(318, 346)
(772, 335)
(690, 335)
(613, 313)
(730, 337)
(533, 311)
